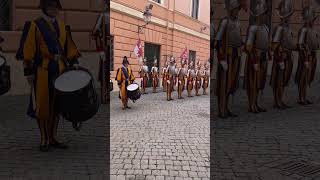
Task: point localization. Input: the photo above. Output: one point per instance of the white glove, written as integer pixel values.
(281, 64)
(256, 67)
(307, 64)
(224, 65)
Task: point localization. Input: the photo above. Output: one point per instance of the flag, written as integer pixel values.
(138, 49)
(184, 54)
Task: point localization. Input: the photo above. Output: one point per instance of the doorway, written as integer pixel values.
(151, 51)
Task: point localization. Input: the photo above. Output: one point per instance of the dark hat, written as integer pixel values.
(125, 60)
(45, 3)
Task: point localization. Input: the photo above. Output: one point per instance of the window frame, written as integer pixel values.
(192, 9)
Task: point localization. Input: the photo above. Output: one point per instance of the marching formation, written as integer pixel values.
(173, 79)
(259, 47)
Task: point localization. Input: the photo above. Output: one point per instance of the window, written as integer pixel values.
(158, 1)
(192, 56)
(195, 9)
(5, 7)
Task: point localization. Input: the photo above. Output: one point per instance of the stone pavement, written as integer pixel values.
(253, 147)
(157, 139)
(20, 158)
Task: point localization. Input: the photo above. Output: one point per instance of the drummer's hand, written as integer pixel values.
(30, 79)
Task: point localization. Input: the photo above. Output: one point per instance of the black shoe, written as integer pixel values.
(229, 113)
(303, 103)
(58, 145)
(44, 148)
(128, 107)
(285, 106)
(309, 102)
(260, 109)
(222, 116)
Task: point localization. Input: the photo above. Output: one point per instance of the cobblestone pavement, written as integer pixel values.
(251, 147)
(20, 157)
(157, 139)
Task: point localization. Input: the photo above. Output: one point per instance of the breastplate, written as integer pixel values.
(312, 39)
(288, 39)
(155, 69)
(145, 69)
(262, 38)
(234, 34)
(172, 70)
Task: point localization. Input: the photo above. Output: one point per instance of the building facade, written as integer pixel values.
(175, 25)
(81, 15)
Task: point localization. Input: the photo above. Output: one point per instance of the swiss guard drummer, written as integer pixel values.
(45, 48)
(124, 77)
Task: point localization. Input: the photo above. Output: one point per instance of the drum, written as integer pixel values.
(77, 98)
(133, 91)
(5, 82)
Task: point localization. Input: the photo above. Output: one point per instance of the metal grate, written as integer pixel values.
(300, 167)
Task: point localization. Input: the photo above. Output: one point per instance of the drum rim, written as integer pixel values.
(74, 69)
(135, 84)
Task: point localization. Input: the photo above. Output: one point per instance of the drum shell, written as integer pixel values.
(5, 79)
(80, 105)
(134, 95)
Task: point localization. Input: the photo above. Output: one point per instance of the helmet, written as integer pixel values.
(285, 8)
(45, 3)
(260, 8)
(125, 60)
(232, 4)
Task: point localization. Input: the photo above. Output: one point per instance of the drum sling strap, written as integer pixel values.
(51, 38)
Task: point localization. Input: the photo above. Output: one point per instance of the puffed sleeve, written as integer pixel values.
(132, 78)
(28, 45)
(71, 49)
(119, 76)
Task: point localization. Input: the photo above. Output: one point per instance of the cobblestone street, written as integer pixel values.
(21, 159)
(157, 139)
(265, 146)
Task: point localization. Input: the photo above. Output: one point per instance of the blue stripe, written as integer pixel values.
(49, 36)
(20, 55)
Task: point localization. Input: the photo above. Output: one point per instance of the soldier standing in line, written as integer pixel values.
(257, 48)
(228, 42)
(282, 44)
(144, 76)
(155, 75)
(308, 43)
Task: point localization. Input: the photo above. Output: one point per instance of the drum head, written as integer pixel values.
(71, 81)
(133, 87)
(2, 61)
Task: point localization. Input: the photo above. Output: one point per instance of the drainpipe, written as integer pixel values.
(173, 23)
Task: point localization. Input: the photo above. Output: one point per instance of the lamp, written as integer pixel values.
(146, 17)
